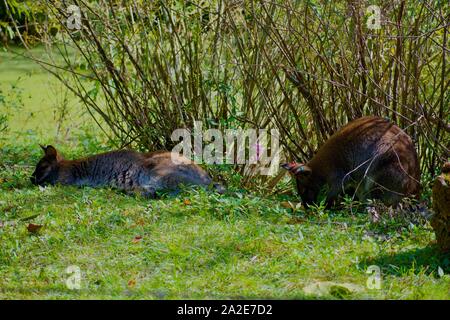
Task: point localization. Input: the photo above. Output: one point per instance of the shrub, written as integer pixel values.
(23, 21)
(305, 68)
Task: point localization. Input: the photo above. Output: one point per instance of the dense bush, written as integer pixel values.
(303, 67)
(24, 21)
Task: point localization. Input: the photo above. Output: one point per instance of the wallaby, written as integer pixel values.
(369, 158)
(127, 170)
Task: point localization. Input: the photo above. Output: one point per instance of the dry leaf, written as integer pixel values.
(137, 239)
(131, 283)
(291, 205)
(187, 202)
(33, 228)
(286, 204)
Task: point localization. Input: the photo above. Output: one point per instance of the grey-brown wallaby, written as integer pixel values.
(128, 170)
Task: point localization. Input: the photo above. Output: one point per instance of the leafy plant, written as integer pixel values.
(23, 21)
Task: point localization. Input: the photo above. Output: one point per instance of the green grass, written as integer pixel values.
(238, 245)
(34, 101)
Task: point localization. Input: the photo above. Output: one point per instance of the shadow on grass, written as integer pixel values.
(428, 260)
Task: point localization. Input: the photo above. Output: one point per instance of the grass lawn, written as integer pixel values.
(195, 245)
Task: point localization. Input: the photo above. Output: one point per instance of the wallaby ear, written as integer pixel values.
(51, 153)
(297, 169)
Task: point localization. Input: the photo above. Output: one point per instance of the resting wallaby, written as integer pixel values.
(369, 157)
(131, 171)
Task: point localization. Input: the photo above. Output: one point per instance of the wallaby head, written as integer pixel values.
(302, 173)
(46, 171)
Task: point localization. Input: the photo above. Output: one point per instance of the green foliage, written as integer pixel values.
(23, 20)
(197, 244)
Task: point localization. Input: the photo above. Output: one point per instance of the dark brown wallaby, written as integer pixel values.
(131, 171)
(369, 157)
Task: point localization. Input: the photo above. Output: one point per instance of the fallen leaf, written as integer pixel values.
(291, 205)
(137, 239)
(33, 228)
(131, 283)
(286, 204)
(187, 202)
